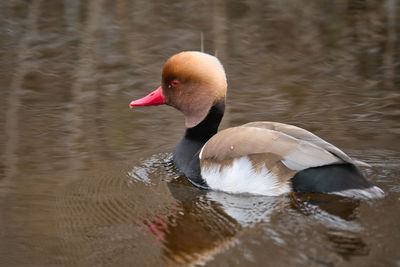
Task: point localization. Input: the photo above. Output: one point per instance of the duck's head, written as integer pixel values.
(192, 82)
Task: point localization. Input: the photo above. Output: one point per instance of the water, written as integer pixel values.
(85, 181)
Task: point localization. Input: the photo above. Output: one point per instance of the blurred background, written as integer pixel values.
(85, 181)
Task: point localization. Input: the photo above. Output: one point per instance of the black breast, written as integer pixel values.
(186, 155)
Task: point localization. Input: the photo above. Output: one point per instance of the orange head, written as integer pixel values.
(192, 82)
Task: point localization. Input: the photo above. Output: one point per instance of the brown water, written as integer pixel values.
(84, 181)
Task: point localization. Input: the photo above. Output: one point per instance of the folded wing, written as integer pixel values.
(305, 135)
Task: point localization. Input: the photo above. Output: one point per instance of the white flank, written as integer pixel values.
(241, 177)
(372, 192)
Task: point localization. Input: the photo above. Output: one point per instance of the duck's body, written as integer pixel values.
(266, 158)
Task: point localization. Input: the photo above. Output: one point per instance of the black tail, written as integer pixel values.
(329, 178)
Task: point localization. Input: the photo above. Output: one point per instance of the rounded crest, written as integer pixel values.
(193, 82)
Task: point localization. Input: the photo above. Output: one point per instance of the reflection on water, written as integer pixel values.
(84, 181)
(347, 245)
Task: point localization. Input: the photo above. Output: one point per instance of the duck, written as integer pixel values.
(259, 158)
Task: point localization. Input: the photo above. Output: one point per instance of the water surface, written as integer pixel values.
(84, 181)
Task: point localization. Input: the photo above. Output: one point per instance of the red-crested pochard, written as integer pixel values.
(266, 158)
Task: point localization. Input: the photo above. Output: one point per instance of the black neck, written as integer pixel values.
(186, 158)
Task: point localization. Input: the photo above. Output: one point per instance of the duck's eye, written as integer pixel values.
(175, 83)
